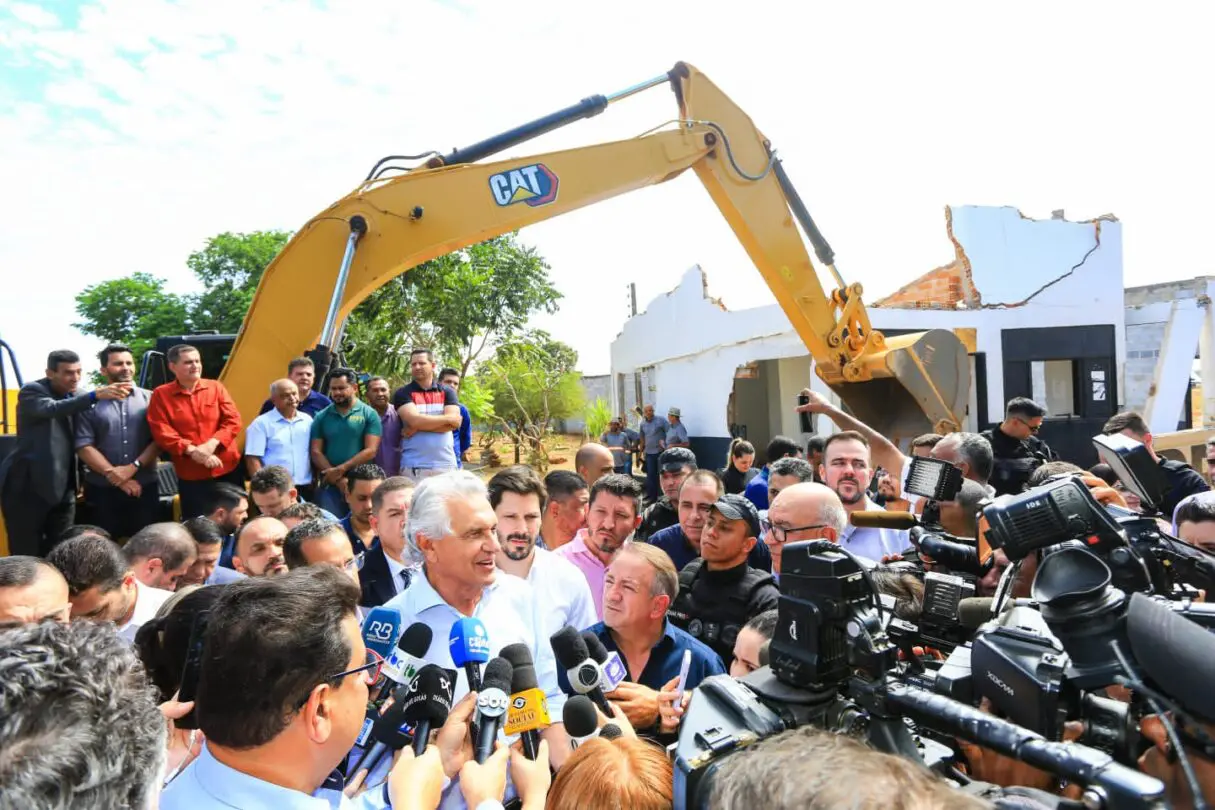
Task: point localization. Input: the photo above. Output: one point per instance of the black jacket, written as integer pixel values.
(43, 463)
(1183, 481)
(656, 517)
(376, 578)
(1015, 460)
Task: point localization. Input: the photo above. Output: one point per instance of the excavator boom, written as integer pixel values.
(390, 224)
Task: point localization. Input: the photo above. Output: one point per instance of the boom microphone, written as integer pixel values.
(612, 670)
(427, 702)
(580, 719)
(975, 611)
(401, 665)
(581, 670)
(899, 521)
(492, 700)
(469, 644)
(528, 712)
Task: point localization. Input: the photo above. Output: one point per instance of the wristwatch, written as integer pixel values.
(136, 464)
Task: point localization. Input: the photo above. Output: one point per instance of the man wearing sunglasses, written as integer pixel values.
(1016, 447)
(294, 642)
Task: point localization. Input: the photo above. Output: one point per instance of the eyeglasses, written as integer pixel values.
(355, 563)
(779, 534)
(371, 674)
(1032, 428)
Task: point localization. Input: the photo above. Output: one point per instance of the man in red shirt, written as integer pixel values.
(196, 422)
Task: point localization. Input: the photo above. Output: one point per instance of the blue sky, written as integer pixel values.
(135, 129)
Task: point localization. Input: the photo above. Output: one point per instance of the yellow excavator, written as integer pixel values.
(404, 214)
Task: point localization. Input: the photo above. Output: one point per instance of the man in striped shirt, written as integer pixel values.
(429, 412)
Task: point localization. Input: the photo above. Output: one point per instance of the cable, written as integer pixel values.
(371, 174)
(755, 178)
(1150, 695)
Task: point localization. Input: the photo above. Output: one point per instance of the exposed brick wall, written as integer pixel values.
(950, 286)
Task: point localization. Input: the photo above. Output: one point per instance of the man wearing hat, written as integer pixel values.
(677, 434)
(674, 465)
(719, 592)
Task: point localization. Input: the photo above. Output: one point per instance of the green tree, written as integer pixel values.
(532, 383)
(597, 416)
(229, 268)
(134, 310)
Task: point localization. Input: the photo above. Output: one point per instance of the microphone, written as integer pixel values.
(900, 521)
(469, 645)
(402, 663)
(583, 673)
(612, 670)
(492, 700)
(957, 556)
(528, 711)
(581, 721)
(381, 629)
(975, 611)
(389, 732)
(610, 731)
(427, 702)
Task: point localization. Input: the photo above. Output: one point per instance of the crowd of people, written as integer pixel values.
(339, 507)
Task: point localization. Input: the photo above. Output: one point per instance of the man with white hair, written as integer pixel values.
(805, 511)
(452, 531)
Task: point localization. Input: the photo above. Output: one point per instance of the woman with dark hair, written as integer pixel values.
(161, 643)
(738, 470)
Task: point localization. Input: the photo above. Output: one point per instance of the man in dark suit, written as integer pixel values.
(38, 479)
(386, 569)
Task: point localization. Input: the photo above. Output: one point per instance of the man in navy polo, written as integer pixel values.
(429, 412)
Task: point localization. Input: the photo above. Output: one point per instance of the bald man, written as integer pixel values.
(259, 548)
(593, 461)
(805, 511)
(31, 589)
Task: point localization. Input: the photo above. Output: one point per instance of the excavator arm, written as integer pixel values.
(390, 224)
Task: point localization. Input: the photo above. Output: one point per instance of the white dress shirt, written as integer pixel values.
(512, 614)
(562, 592)
(285, 442)
(396, 569)
(147, 602)
(873, 544)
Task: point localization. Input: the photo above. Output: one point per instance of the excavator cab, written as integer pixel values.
(919, 384)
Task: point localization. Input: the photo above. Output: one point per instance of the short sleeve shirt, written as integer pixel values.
(617, 443)
(426, 450)
(343, 434)
(676, 434)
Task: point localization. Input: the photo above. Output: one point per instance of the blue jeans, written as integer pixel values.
(651, 476)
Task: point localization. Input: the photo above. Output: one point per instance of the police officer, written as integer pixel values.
(1182, 479)
(674, 465)
(718, 591)
(1015, 444)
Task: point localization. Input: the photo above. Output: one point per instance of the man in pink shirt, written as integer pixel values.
(613, 515)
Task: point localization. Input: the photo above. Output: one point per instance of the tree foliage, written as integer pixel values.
(229, 268)
(597, 417)
(134, 310)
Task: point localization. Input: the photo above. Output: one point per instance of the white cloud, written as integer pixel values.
(164, 123)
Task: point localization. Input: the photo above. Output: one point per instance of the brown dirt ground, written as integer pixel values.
(561, 450)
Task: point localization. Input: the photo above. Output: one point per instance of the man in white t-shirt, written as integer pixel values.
(101, 585)
(518, 497)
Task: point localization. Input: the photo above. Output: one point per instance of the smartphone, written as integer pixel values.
(807, 423)
(190, 671)
(683, 675)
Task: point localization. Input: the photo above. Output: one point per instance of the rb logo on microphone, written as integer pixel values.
(380, 631)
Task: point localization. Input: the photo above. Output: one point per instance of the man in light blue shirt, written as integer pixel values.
(281, 436)
(452, 529)
(846, 470)
(294, 650)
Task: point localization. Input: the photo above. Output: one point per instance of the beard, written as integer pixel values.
(517, 554)
(850, 499)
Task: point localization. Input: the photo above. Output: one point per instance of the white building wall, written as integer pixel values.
(1023, 269)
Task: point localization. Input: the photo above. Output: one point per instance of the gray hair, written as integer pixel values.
(975, 450)
(79, 724)
(792, 465)
(171, 543)
(428, 512)
(20, 570)
(969, 497)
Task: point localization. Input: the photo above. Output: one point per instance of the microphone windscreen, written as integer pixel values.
(497, 675)
(1176, 653)
(429, 696)
(523, 676)
(380, 630)
(594, 647)
(416, 640)
(569, 648)
(468, 642)
(579, 716)
(975, 611)
(610, 731)
(900, 521)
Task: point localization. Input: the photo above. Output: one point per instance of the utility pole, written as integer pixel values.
(632, 300)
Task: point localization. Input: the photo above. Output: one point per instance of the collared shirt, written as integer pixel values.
(873, 544)
(757, 489)
(180, 418)
(666, 657)
(462, 436)
(313, 404)
(654, 431)
(676, 434)
(679, 548)
(511, 614)
(282, 441)
(147, 601)
(118, 429)
(402, 574)
(356, 542)
(562, 591)
(343, 434)
(618, 443)
(427, 450)
(388, 456)
(208, 783)
(592, 567)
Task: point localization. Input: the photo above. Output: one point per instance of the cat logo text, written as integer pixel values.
(534, 185)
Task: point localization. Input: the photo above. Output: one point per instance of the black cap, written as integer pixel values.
(676, 458)
(1175, 652)
(736, 507)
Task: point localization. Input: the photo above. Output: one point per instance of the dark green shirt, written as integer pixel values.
(343, 435)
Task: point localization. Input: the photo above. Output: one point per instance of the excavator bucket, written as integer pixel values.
(919, 384)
